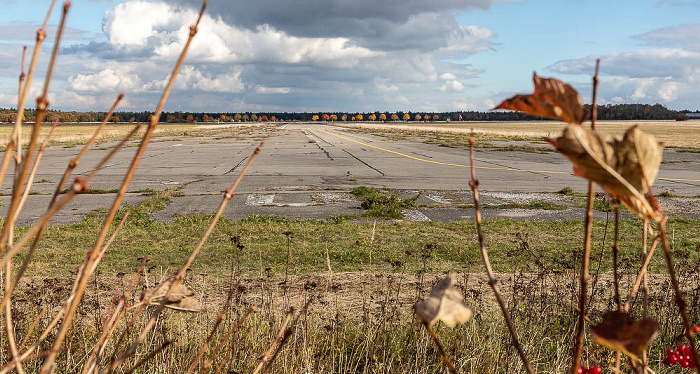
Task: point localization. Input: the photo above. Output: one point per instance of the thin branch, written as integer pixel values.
(219, 320)
(217, 349)
(642, 272)
(493, 282)
(585, 263)
(682, 308)
(148, 357)
(441, 348)
(228, 195)
(93, 253)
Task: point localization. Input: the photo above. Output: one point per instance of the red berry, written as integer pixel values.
(666, 361)
(672, 359)
(594, 370)
(681, 348)
(685, 364)
(695, 329)
(670, 352)
(581, 370)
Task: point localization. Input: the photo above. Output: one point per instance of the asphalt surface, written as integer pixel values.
(307, 170)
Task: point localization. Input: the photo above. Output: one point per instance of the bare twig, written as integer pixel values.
(219, 320)
(222, 343)
(642, 273)
(148, 357)
(616, 251)
(441, 348)
(269, 356)
(181, 273)
(493, 282)
(682, 308)
(94, 252)
(585, 263)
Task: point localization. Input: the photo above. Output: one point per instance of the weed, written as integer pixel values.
(382, 204)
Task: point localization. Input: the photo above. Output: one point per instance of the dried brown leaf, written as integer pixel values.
(552, 99)
(181, 297)
(620, 332)
(445, 304)
(625, 168)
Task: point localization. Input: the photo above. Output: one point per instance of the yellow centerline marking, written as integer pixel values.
(477, 167)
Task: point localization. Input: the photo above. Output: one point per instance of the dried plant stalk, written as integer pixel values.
(219, 320)
(493, 282)
(585, 263)
(441, 348)
(285, 330)
(93, 253)
(682, 308)
(217, 350)
(228, 195)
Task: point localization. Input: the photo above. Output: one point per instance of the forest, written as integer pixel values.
(605, 112)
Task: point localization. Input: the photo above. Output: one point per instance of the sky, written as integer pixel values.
(355, 55)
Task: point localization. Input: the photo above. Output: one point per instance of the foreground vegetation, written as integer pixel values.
(362, 280)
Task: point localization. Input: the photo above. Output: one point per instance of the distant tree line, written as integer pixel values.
(605, 112)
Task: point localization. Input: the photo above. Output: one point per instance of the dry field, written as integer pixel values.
(671, 133)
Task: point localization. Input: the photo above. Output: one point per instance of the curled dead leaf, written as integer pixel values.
(626, 168)
(445, 304)
(181, 298)
(620, 332)
(552, 99)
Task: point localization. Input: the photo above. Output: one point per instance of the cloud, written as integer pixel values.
(273, 90)
(674, 63)
(105, 80)
(283, 54)
(681, 36)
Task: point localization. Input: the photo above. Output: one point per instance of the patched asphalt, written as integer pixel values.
(306, 171)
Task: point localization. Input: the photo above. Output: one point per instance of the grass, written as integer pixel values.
(363, 317)
(381, 204)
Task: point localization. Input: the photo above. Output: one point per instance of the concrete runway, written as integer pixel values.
(307, 170)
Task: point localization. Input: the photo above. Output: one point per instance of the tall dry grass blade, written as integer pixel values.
(585, 262)
(441, 348)
(228, 195)
(493, 282)
(9, 288)
(680, 302)
(616, 275)
(219, 320)
(76, 160)
(120, 196)
(224, 340)
(31, 328)
(642, 273)
(148, 357)
(16, 136)
(111, 323)
(287, 326)
(79, 185)
(42, 104)
(645, 286)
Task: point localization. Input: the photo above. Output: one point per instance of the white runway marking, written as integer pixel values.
(415, 215)
(438, 199)
(259, 200)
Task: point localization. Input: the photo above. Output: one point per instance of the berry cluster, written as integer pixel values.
(681, 356)
(590, 370)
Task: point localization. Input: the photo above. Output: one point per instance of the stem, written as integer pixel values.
(228, 195)
(616, 274)
(437, 342)
(645, 287)
(679, 296)
(616, 251)
(94, 252)
(493, 282)
(585, 264)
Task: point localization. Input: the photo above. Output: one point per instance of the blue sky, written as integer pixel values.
(358, 55)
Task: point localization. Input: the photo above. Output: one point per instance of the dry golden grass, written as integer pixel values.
(671, 133)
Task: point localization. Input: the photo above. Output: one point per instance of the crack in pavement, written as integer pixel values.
(366, 164)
